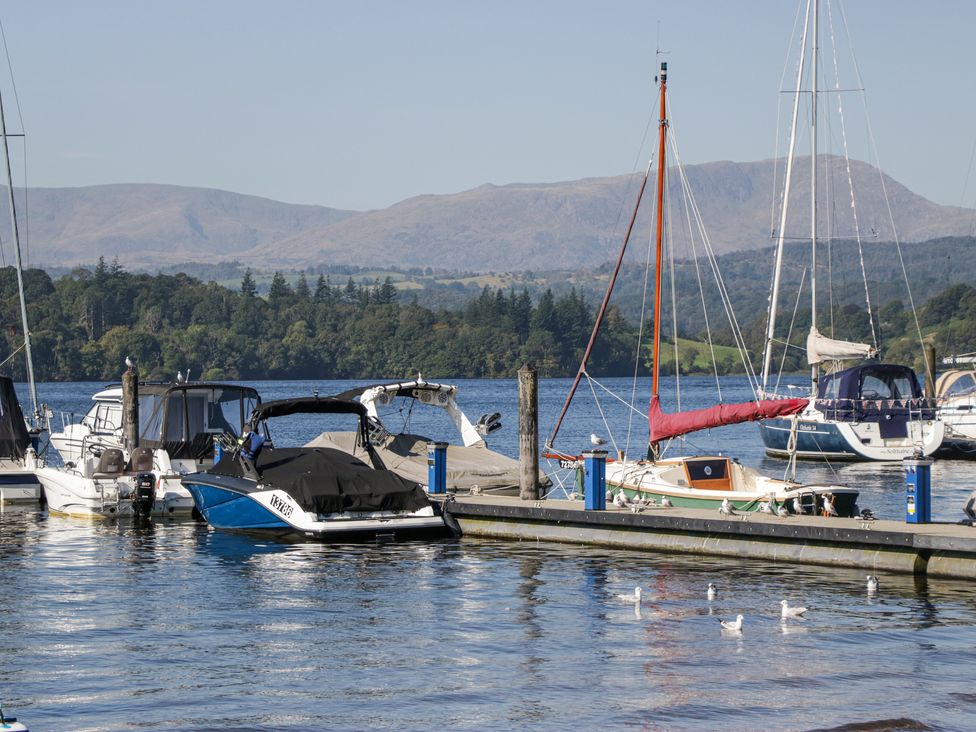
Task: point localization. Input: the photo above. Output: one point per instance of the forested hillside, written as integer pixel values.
(85, 323)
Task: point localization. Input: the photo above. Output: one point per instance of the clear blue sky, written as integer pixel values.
(362, 104)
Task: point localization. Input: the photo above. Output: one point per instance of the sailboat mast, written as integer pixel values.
(781, 233)
(20, 267)
(661, 167)
(814, 369)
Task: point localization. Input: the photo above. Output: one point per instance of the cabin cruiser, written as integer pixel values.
(101, 426)
(471, 466)
(311, 492)
(18, 455)
(178, 425)
(955, 392)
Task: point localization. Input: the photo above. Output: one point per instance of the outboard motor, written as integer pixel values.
(144, 496)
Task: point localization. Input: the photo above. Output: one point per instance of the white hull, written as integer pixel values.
(745, 487)
(18, 484)
(72, 494)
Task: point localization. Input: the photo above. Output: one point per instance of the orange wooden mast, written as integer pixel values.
(661, 167)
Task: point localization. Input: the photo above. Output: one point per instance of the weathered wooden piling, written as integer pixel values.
(528, 383)
(130, 407)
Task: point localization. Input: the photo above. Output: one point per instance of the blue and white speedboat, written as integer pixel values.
(311, 492)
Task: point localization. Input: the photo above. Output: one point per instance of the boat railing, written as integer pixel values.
(873, 410)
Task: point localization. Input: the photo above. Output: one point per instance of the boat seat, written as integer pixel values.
(141, 460)
(710, 474)
(111, 462)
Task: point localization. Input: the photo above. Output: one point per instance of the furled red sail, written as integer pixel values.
(665, 426)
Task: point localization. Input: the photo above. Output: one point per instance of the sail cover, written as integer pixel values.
(665, 426)
(820, 348)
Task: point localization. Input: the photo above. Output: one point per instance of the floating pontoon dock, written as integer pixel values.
(935, 549)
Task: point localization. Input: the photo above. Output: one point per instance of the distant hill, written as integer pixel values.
(517, 227)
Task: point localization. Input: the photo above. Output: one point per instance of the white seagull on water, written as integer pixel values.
(732, 624)
(872, 584)
(791, 612)
(712, 591)
(635, 598)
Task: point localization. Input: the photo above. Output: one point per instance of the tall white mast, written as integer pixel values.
(781, 234)
(814, 370)
(20, 274)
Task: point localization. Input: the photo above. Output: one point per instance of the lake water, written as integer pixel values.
(113, 626)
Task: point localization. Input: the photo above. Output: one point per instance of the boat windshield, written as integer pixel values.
(185, 419)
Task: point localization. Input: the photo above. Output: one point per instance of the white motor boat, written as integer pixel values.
(178, 425)
(101, 426)
(955, 392)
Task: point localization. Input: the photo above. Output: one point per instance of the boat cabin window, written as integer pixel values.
(886, 386)
(104, 417)
(965, 384)
(184, 414)
(829, 388)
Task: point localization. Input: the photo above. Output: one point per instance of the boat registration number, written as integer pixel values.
(279, 505)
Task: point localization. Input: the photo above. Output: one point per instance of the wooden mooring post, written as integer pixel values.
(929, 351)
(130, 407)
(528, 385)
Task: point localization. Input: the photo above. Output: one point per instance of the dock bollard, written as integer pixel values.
(595, 480)
(918, 490)
(437, 467)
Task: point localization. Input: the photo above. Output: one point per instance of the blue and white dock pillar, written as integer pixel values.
(437, 467)
(918, 490)
(595, 480)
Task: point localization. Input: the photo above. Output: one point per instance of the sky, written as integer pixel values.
(358, 105)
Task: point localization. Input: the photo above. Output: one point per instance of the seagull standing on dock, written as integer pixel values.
(635, 598)
(764, 507)
(798, 507)
(782, 512)
(734, 625)
(726, 508)
(791, 612)
(872, 584)
(828, 506)
(596, 441)
(620, 500)
(666, 502)
(712, 591)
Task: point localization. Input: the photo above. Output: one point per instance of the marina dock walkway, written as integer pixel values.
(936, 549)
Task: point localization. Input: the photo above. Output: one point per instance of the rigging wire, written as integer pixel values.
(884, 190)
(850, 177)
(20, 117)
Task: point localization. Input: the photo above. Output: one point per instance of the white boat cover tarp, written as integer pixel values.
(820, 348)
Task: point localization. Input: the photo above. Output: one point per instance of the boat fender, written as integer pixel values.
(452, 523)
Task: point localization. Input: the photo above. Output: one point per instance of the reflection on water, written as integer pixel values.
(179, 626)
(111, 625)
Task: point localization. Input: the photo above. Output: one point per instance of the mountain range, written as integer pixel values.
(508, 228)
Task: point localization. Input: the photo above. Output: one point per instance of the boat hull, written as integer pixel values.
(231, 504)
(19, 486)
(656, 481)
(71, 494)
(819, 439)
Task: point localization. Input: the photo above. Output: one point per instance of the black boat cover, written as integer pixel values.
(326, 480)
(14, 439)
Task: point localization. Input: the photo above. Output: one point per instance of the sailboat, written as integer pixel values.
(18, 437)
(868, 411)
(701, 481)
